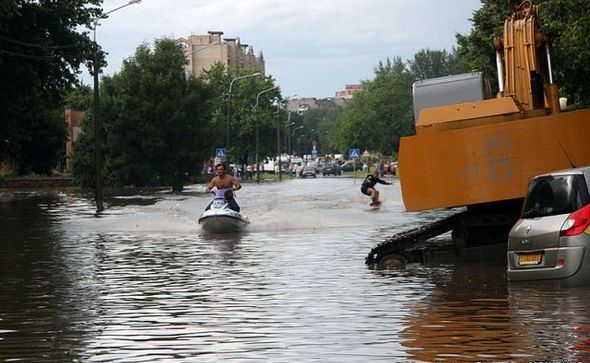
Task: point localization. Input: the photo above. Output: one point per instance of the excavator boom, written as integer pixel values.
(486, 151)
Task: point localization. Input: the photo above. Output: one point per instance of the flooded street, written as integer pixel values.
(142, 284)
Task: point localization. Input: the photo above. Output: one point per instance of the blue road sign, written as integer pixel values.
(220, 152)
(354, 153)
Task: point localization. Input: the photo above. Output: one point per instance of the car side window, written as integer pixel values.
(581, 194)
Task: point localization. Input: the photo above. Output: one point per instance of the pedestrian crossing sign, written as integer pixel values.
(220, 152)
(354, 153)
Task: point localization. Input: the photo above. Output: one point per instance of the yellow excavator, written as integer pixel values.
(478, 152)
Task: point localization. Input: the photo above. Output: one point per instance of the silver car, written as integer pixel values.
(551, 240)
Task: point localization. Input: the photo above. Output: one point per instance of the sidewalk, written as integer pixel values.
(36, 182)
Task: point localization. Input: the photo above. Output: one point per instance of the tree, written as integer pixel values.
(381, 113)
(156, 121)
(324, 123)
(566, 23)
(475, 51)
(244, 118)
(432, 63)
(41, 50)
(243, 113)
(79, 98)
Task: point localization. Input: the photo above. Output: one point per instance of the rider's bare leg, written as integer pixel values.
(374, 194)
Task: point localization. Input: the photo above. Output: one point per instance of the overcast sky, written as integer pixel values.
(311, 48)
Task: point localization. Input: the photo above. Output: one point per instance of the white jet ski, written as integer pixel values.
(220, 218)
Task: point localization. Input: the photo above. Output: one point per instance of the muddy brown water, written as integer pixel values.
(141, 283)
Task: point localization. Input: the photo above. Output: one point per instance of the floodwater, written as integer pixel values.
(141, 283)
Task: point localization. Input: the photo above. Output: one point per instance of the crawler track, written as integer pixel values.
(410, 244)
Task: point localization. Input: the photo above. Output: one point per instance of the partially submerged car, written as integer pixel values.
(551, 240)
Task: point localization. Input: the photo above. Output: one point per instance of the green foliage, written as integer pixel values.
(79, 98)
(83, 157)
(378, 116)
(245, 116)
(156, 122)
(217, 80)
(475, 51)
(320, 125)
(433, 63)
(40, 52)
(567, 23)
(243, 113)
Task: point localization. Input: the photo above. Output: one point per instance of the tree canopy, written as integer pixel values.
(156, 121)
(41, 50)
(159, 125)
(566, 23)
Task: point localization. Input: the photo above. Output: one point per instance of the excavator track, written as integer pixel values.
(410, 244)
(472, 231)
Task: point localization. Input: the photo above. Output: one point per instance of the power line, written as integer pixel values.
(10, 40)
(29, 56)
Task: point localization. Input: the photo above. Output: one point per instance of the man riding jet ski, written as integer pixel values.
(223, 213)
(222, 180)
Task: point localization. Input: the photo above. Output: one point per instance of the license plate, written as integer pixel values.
(533, 258)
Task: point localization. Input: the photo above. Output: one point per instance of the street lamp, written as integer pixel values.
(289, 124)
(98, 195)
(257, 131)
(279, 140)
(227, 145)
(294, 132)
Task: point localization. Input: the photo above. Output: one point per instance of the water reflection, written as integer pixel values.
(43, 303)
(142, 284)
(554, 317)
(473, 315)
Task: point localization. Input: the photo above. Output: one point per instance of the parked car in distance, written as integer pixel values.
(308, 172)
(352, 165)
(551, 240)
(331, 168)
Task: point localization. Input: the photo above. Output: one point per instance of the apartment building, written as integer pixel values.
(203, 51)
(349, 90)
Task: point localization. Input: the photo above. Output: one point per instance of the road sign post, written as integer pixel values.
(220, 152)
(354, 154)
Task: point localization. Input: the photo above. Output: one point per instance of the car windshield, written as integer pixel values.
(554, 195)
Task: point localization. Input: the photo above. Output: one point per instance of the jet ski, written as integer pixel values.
(219, 217)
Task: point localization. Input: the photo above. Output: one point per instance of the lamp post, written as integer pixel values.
(288, 124)
(279, 140)
(258, 133)
(98, 194)
(294, 132)
(227, 145)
